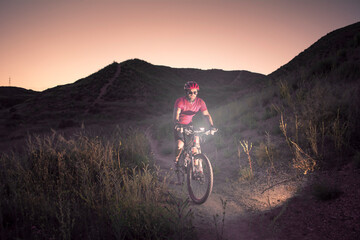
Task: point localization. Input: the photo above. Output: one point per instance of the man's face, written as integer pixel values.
(191, 94)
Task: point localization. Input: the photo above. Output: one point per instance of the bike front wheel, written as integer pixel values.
(200, 179)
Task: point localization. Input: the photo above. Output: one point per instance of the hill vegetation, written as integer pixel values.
(319, 91)
(11, 96)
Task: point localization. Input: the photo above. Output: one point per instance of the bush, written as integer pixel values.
(83, 188)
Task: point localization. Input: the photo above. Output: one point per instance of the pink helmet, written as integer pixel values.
(191, 85)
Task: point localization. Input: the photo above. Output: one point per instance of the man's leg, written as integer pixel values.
(178, 150)
(197, 162)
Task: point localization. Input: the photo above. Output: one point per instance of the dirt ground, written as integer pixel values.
(282, 207)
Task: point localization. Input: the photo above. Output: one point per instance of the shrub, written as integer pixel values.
(83, 187)
(245, 174)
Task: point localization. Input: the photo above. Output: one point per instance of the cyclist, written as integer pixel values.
(185, 109)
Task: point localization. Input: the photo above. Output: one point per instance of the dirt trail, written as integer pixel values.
(103, 90)
(237, 225)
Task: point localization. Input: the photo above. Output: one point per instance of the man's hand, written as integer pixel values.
(213, 130)
(178, 127)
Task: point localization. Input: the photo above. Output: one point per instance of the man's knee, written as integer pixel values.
(180, 144)
(178, 150)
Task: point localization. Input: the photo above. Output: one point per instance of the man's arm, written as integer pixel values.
(208, 117)
(176, 115)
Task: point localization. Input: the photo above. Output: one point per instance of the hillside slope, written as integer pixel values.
(336, 55)
(11, 96)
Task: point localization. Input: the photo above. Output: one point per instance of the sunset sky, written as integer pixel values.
(45, 43)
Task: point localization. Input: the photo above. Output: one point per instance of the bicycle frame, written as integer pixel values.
(189, 144)
(196, 166)
(187, 155)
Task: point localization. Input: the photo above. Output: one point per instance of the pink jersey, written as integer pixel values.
(188, 109)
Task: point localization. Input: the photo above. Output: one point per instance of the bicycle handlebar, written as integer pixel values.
(201, 131)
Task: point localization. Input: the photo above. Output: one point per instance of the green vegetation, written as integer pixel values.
(86, 187)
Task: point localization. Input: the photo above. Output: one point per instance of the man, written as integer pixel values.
(184, 110)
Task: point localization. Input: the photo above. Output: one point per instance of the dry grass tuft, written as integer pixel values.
(84, 187)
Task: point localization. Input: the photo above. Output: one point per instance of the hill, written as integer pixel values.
(319, 101)
(302, 122)
(11, 96)
(120, 92)
(335, 55)
(323, 83)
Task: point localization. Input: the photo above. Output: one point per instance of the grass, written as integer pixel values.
(247, 149)
(265, 153)
(84, 187)
(245, 173)
(319, 115)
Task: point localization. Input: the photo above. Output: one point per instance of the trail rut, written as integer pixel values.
(103, 90)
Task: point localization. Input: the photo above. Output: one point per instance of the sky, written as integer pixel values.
(46, 43)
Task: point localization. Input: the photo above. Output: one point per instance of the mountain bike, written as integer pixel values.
(195, 165)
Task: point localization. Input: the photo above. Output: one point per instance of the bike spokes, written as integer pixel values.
(200, 182)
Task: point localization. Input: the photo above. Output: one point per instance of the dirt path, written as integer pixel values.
(103, 90)
(237, 224)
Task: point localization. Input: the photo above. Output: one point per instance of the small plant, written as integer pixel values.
(261, 154)
(285, 92)
(180, 216)
(247, 149)
(266, 152)
(245, 174)
(270, 151)
(301, 161)
(220, 228)
(338, 132)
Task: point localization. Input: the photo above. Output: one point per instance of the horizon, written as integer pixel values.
(47, 44)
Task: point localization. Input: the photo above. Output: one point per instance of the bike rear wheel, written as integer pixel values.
(200, 184)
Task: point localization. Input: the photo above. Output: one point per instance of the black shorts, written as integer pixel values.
(180, 135)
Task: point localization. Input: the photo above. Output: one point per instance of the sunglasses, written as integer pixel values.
(191, 93)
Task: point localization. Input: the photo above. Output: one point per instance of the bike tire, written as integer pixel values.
(199, 190)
